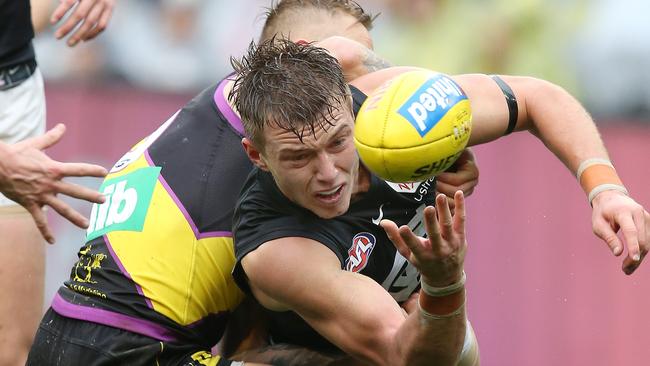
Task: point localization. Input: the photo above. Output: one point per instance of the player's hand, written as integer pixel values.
(32, 179)
(613, 210)
(439, 257)
(463, 175)
(91, 16)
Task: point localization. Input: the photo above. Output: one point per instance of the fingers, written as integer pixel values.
(629, 265)
(79, 11)
(88, 24)
(452, 205)
(101, 24)
(464, 176)
(80, 192)
(444, 216)
(91, 17)
(460, 217)
(41, 222)
(450, 189)
(641, 219)
(640, 222)
(67, 212)
(60, 11)
(604, 231)
(629, 230)
(47, 139)
(393, 234)
(80, 170)
(412, 242)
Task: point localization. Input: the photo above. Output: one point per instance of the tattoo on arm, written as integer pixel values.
(374, 62)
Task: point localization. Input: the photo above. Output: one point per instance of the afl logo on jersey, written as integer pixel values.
(359, 253)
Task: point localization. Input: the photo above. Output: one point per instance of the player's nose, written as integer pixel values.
(325, 169)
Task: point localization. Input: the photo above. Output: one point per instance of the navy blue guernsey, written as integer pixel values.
(263, 213)
(16, 32)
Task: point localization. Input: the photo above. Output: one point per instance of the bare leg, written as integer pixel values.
(22, 254)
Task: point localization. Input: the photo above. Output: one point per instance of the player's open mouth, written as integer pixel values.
(330, 196)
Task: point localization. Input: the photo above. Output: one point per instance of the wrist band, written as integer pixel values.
(443, 291)
(597, 175)
(606, 187)
(428, 316)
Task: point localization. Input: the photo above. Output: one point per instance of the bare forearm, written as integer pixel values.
(563, 125)
(424, 339)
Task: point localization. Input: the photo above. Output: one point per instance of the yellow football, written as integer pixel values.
(413, 127)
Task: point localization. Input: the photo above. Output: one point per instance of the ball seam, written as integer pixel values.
(384, 127)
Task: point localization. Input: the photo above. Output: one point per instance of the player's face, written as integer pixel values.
(320, 173)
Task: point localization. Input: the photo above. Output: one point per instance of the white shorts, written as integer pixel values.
(22, 114)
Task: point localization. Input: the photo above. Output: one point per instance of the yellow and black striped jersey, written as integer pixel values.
(159, 252)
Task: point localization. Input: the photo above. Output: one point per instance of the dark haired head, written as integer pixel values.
(296, 87)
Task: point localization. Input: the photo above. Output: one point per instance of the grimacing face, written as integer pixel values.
(320, 173)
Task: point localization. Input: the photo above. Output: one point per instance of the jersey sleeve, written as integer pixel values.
(264, 214)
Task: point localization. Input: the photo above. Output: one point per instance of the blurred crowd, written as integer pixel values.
(597, 49)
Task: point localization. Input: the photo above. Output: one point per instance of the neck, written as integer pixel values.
(226, 90)
(362, 183)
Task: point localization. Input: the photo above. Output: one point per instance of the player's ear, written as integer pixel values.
(253, 153)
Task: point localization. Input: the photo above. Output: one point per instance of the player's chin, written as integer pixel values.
(330, 210)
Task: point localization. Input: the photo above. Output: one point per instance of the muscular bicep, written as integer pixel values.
(349, 309)
(490, 111)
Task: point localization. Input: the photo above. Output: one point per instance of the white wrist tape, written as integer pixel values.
(606, 187)
(443, 291)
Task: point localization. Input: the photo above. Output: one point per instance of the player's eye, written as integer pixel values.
(340, 142)
(298, 157)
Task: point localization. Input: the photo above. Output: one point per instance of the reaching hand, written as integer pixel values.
(613, 210)
(463, 176)
(439, 257)
(32, 179)
(92, 17)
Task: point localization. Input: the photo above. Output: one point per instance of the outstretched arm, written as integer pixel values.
(356, 313)
(32, 179)
(565, 127)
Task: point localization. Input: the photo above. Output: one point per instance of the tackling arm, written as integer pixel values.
(567, 130)
(565, 127)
